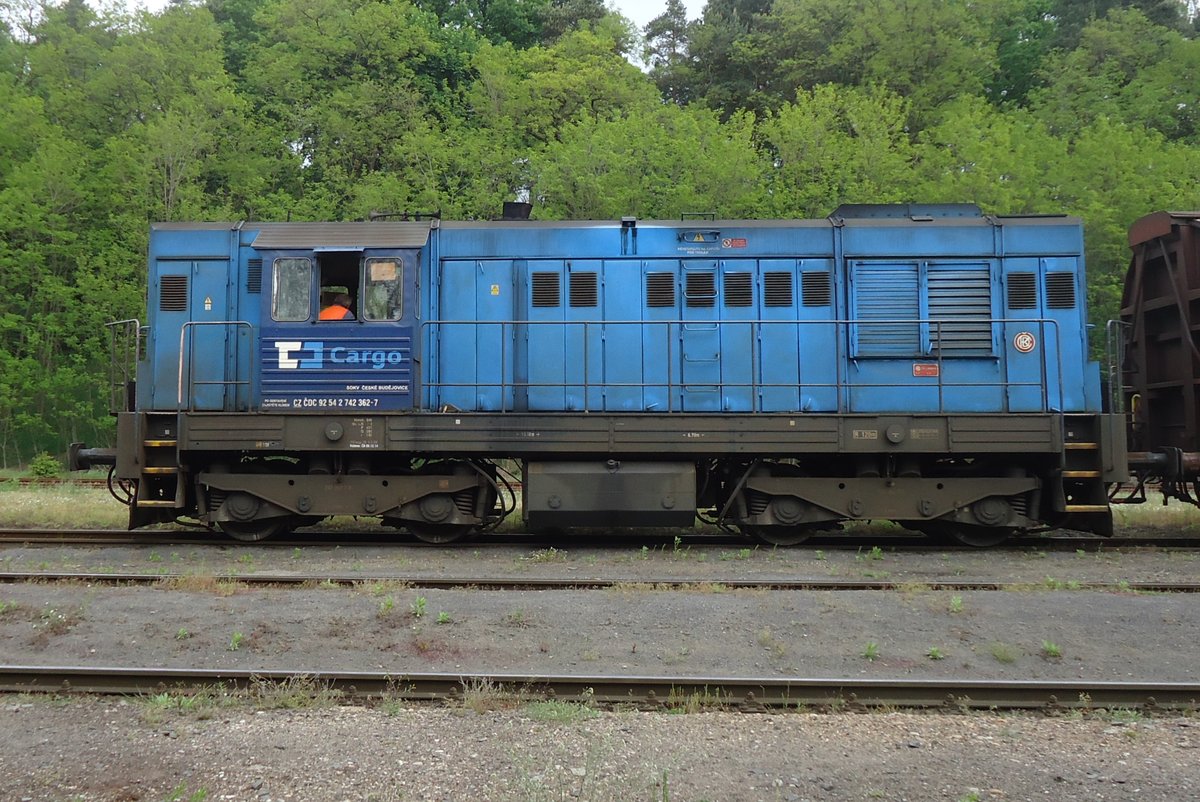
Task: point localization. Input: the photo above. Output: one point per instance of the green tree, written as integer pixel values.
(837, 145)
(1125, 68)
(517, 21)
(665, 52)
(1001, 160)
(655, 162)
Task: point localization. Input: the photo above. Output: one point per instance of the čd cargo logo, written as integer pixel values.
(315, 356)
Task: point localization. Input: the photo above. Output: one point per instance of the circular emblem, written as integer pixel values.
(1024, 342)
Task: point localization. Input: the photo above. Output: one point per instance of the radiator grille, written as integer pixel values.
(1060, 290)
(701, 290)
(1022, 291)
(254, 276)
(777, 289)
(739, 289)
(660, 289)
(815, 289)
(173, 294)
(583, 289)
(546, 290)
(960, 309)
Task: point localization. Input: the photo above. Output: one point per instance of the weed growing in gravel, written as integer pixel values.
(740, 554)
(294, 693)
(201, 704)
(236, 641)
(1051, 650)
(484, 696)
(443, 617)
(417, 607)
(180, 794)
(956, 604)
(935, 653)
(1124, 715)
(696, 701)
(820, 555)
(871, 651)
(59, 622)
(385, 607)
(1005, 652)
(644, 554)
(560, 712)
(547, 555)
(196, 583)
(8, 606)
(517, 618)
(182, 634)
(767, 640)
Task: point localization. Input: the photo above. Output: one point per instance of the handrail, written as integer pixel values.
(1114, 358)
(191, 379)
(122, 369)
(674, 329)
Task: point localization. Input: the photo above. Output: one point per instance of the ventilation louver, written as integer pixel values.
(583, 290)
(815, 289)
(777, 289)
(739, 290)
(547, 290)
(173, 294)
(660, 289)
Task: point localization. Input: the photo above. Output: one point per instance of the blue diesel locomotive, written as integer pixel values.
(925, 364)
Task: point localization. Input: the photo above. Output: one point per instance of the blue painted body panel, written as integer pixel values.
(863, 315)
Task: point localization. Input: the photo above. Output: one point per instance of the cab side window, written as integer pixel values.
(291, 287)
(382, 299)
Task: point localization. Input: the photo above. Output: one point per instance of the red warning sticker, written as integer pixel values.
(925, 369)
(734, 242)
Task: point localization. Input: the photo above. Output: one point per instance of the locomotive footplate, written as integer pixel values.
(629, 434)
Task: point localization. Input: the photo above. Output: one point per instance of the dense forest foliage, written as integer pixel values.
(328, 109)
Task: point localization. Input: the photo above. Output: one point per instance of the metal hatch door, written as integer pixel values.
(700, 336)
(193, 310)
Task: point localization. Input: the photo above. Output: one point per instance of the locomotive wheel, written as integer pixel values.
(440, 534)
(779, 535)
(253, 531)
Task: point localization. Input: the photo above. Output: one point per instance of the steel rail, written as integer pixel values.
(648, 692)
(593, 583)
(122, 537)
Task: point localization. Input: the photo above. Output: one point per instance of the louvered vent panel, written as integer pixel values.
(660, 289)
(701, 290)
(583, 290)
(815, 289)
(777, 289)
(1022, 291)
(960, 309)
(739, 289)
(546, 290)
(173, 294)
(1060, 290)
(886, 300)
(254, 276)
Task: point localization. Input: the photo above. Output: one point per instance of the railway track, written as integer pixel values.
(584, 583)
(751, 694)
(121, 537)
